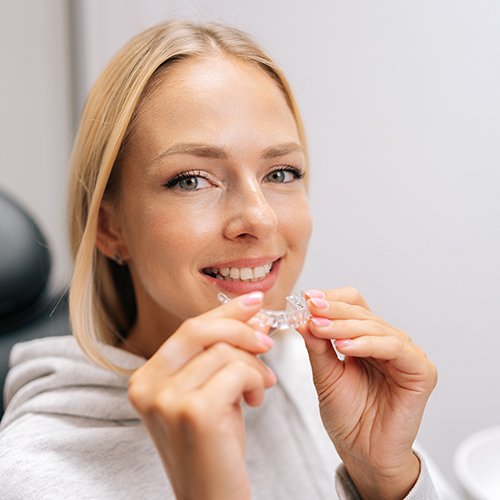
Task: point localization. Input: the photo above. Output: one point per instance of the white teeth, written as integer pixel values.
(234, 273)
(244, 273)
(259, 271)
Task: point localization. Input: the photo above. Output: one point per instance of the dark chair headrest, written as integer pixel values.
(24, 262)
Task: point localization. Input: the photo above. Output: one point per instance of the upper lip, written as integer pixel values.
(246, 262)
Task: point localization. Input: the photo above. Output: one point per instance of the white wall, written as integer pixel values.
(35, 125)
(402, 107)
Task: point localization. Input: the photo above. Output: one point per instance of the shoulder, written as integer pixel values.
(67, 347)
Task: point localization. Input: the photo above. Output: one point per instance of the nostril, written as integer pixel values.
(251, 216)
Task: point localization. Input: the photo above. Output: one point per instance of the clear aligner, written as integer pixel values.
(296, 313)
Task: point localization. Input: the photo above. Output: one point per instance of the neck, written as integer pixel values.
(146, 336)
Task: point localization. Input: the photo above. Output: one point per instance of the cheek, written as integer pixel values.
(168, 234)
(296, 222)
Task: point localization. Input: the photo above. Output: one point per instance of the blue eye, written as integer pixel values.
(188, 181)
(284, 175)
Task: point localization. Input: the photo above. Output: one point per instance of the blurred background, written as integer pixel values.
(402, 107)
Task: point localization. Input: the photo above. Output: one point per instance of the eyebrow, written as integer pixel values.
(281, 150)
(208, 151)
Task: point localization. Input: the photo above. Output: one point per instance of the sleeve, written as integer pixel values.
(423, 489)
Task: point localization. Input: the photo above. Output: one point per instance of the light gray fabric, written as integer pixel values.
(70, 432)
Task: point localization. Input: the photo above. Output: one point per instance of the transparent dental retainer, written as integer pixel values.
(295, 315)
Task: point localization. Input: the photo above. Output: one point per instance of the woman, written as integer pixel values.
(189, 178)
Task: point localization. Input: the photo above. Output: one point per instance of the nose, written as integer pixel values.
(250, 216)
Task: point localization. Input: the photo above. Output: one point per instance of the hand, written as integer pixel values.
(189, 393)
(372, 402)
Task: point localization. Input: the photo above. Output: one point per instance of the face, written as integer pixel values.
(212, 195)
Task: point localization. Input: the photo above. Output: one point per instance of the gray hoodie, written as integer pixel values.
(69, 431)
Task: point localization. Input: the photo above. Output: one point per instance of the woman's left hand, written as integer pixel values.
(371, 402)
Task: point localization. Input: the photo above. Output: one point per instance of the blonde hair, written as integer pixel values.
(102, 304)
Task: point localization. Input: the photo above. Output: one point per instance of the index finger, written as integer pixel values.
(226, 323)
(349, 295)
(242, 307)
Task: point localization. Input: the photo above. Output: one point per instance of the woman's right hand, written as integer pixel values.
(189, 393)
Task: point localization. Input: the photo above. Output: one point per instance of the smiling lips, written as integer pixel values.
(243, 273)
(254, 274)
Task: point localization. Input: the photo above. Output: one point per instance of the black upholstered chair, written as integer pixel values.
(28, 308)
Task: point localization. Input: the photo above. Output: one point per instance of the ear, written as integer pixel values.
(110, 241)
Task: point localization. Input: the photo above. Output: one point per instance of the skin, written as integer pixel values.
(371, 403)
(167, 236)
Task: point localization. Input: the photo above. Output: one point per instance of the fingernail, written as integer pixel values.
(343, 342)
(264, 339)
(252, 298)
(315, 293)
(320, 303)
(321, 322)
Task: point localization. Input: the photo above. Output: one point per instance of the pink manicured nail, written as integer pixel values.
(264, 339)
(320, 303)
(321, 322)
(315, 293)
(343, 342)
(252, 298)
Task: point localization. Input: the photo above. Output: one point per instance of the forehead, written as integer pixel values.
(205, 99)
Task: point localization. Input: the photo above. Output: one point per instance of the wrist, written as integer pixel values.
(381, 482)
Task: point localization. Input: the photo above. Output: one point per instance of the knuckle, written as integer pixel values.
(374, 326)
(138, 393)
(352, 293)
(150, 398)
(135, 391)
(239, 366)
(164, 403)
(341, 309)
(194, 324)
(134, 380)
(256, 379)
(192, 412)
(222, 349)
(398, 345)
(247, 370)
(370, 345)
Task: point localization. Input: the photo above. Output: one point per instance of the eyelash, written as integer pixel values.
(171, 183)
(174, 181)
(296, 172)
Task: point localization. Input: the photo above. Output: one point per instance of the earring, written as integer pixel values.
(118, 259)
